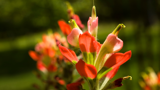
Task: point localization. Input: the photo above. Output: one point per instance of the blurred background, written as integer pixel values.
(22, 23)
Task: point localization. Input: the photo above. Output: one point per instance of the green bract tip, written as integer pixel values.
(127, 77)
(73, 23)
(94, 12)
(118, 28)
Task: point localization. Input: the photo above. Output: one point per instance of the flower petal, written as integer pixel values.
(88, 43)
(112, 73)
(73, 37)
(74, 86)
(68, 54)
(50, 52)
(52, 68)
(115, 43)
(62, 82)
(78, 21)
(66, 29)
(86, 70)
(92, 24)
(34, 55)
(117, 59)
(41, 67)
(158, 75)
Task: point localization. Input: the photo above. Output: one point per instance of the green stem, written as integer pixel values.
(104, 83)
(97, 85)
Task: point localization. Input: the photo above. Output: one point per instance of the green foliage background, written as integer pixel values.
(22, 22)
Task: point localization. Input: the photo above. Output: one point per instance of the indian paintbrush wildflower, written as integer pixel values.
(151, 80)
(100, 61)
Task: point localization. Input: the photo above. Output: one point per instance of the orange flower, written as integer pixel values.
(66, 29)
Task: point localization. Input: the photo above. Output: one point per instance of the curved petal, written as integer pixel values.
(62, 82)
(117, 59)
(78, 21)
(39, 47)
(52, 68)
(41, 67)
(92, 24)
(73, 37)
(112, 73)
(44, 38)
(74, 86)
(87, 43)
(115, 42)
(34, 55)
(50, 52)
(68, 54)
(158, 75)
(86, 70)
(66, 29)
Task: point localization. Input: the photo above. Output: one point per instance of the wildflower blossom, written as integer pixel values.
(151, 81)
(46, 52)
(98, 60)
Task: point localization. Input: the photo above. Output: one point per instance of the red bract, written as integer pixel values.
(62, 82)
(41, 66)
(112, 73)
(158, 78)
(34, 55)
(50, 52)
(66, 29)
(68, 54)
(117, 59)
(147, 88)
(78, 21)
(74, 86)
(51, 68)
(86, 70)
(87, 43)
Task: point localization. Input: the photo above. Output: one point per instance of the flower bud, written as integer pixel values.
(93, 23)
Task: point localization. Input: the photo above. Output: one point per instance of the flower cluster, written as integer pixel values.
(58, 71)
(51, 62)
(98, 62)
(151, 80)
(46, 52)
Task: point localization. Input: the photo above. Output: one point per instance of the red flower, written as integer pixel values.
(51, 68)
(60, 81)
(112, 73)
(147, 88)
(86, 70)
(158, 78)
(87, 43)
(68, 54)
(41, 67)
(50, 52)
(117, 59)
(74, 86)
(78, 21)
(66, 29)
(34, 55)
